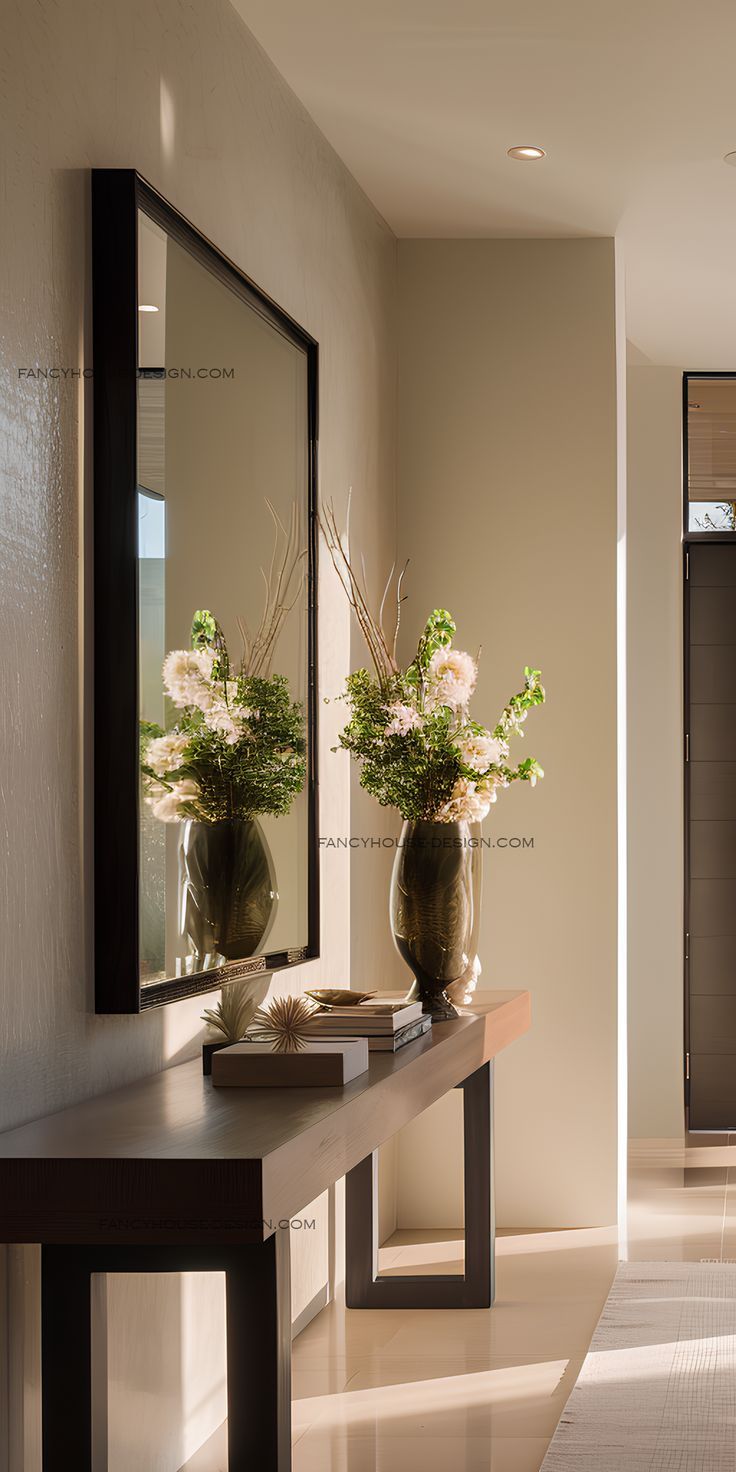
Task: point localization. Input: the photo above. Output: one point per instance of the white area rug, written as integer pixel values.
(657, 1391)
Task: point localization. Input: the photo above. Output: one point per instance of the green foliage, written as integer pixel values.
(263, 772)
(238, 747)
(415, 772)
(204, 628)
(421, 769)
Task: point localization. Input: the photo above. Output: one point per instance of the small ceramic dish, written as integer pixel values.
(334, 997)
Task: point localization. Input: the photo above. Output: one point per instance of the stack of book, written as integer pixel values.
(386, 1025)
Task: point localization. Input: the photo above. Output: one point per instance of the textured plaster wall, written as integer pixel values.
(507, 496)
(655, 723)
(179, 90)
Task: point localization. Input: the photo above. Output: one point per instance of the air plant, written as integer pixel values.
(282, 583)
(282, 1024)
(234, 1011)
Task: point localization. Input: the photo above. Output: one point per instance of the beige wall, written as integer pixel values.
(181, 92)
(655, 797)
(507, 496)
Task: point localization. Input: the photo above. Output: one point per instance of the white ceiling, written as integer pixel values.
(634, 101)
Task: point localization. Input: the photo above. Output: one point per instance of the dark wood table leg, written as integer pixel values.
(364, 1288)
(480, 1209)
(259, 1356)
(258, 1294)
(66, 1360)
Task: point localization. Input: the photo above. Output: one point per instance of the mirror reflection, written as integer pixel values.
(223, 520)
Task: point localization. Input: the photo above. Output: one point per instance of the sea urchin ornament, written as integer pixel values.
(282, 1024)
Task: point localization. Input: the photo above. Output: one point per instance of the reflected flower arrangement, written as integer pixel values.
(238, 747)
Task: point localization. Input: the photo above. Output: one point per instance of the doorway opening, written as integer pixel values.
(709, 568)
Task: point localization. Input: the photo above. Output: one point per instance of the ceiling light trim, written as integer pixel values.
(526, 153)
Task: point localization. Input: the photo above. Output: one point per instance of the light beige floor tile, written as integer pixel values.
(320, 1451)
(427, 1263)
(337, 1331)
(670, 1249)
(512, 1327)
(482, 1391)
(212, 1456)
(312, 1379)
(417, 1237)
(577, 1275)
(696, 1181)
(526, 1397)
(578, 1265)
(677, 1212)
(694, 1158)
(521, 1242)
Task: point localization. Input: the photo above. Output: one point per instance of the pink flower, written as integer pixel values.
(451, 678)
(403, 719)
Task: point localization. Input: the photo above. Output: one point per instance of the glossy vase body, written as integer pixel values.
(435, 909)
(227, 890)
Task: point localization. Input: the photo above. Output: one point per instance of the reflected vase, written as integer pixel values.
(227, 890)
(435, 911)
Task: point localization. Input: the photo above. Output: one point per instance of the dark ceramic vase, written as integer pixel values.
(435, 908)
(227, 889)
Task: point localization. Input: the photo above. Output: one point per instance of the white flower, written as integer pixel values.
(187, 675)
(166, 753)
(481, 751)
(165, 805)
(403, 719)
(225, 721)
(468, 803)
(451, 678)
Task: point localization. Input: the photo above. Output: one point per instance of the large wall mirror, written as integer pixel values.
(205, 791)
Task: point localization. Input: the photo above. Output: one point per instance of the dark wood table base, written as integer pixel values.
(364, 1288)
(257, 1278)
(258, 1300)
(170, 1175)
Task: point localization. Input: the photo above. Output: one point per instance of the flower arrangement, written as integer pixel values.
(410, 729)
(236, 750)
(418, 749)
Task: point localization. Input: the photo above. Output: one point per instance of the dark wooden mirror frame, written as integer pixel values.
(117, 195)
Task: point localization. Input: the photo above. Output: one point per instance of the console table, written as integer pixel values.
(173, 1175)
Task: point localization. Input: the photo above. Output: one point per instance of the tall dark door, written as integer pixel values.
(710, 725)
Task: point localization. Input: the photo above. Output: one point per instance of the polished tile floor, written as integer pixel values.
(482, 1391)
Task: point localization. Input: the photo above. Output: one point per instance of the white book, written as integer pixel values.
(364, 1020)
(257, 1066)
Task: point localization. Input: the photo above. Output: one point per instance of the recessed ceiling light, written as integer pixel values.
(525, 151)
(145, 308)
(730, 158)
